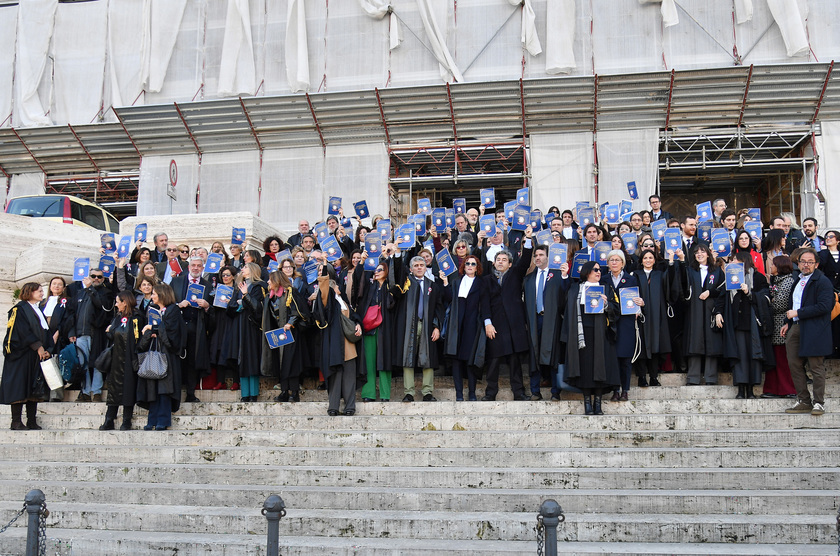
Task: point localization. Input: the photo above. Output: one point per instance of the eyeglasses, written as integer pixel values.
(807, 263)
(461, 247)
(171, 249)
(379, 270)
(471, 263)
(226, 275)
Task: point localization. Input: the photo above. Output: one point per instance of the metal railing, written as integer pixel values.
(273, 509)
(35, 504)
(550, 516)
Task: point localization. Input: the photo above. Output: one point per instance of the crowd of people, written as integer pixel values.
(352, 319)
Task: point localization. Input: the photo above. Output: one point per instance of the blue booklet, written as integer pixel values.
(753, 227)
(107, 265)
(734, 276)
(371, 262)
(521, 217)
(373, 245)
(419, 221)
(611, 214)
(488, 197)
(273, 265)
(445, 262)
(140, 231)
(578, 261)
(310, 270)
(280, 255)
(704, 231)
(510, 206)
(544, 237)
(754, 213)
(631, 242)
(237, 236)
(347, 224)
(631, 189)
(124, 247)
(81, 268)
(658, 228)
(279, 337)
(593, 302)
(488, 224)
(557, 255)
(361, 209)
(334, 205)
(459, 206)
(449, 218)
(523, 197)
(406, 236)
(331, 248)
(601, 250)
(109, 242)
(429, 244)
(626, 206)
(383, 228)
(721, 243)
(155, 317)
(223, 295)
(536, 220)
(586, 216)
(602, 210)
(214, 263)
(549, 216)
(194, 293)
(626, 296)
(580, 205)
(439, 220)
(704, 212)
(671, 242)
(321, 231)
(424, 206)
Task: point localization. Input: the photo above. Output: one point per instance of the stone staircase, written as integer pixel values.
(677, 470)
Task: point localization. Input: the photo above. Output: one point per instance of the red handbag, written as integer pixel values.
(373, 318)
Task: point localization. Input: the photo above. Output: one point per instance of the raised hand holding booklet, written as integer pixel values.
(459, 206)
(488, 197)
(626, 297)
(424, 206)
(593, 302)
(721, 244)
(334, 205)
(557, 255)
(223, 295)
(124, 247)
(214, 263)
(331, 248)
(445, 262)
(107, 265)
(237, 236)
(631, 189)
(704, 212)
(194, 293)
(108, 242)
(734, 276)
(488, 224)
(81, 268)
(140, 231)
(361, 209)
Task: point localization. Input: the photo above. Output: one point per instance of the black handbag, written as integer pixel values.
(348, 327)
(103, 362)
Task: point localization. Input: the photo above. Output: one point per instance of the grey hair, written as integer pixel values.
(157, 235)
(792, 217)
(416, 259)
(196, 258)
(455, 245)
(618, 253)
(506, 252)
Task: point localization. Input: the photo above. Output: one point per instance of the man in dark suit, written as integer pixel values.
(197, 360)
(807, 333)
(504, 318)
(590, 238)
(164, 271)
(159, 252)
(294, 240)
(545, 302)
(656, 212)
(462, 231)
(337, 230)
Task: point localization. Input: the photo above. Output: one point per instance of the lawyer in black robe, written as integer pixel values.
(196, 364)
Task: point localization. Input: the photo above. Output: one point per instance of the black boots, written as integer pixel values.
(110, 415)
(128, 413)
(587, 405)
(31, 410)
(596, 406)
(592, 405)
(17, 422)
(749, 391)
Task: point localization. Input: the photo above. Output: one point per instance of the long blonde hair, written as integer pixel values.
(254, 272)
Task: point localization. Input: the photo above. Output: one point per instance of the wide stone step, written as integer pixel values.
(502, 526)
(449, 477)
(132, 543)
(540, 438)
(430, 457)
(389, 498)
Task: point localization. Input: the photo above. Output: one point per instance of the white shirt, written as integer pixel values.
(541, 273)
(569, 232)
(798, 290)
(492, 250)
(466, 284)
(38, 312)
(52, 303)
(704, 271)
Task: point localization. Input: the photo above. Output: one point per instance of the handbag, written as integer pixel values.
(373, 318)
(153, 364)
(52, 374)
(348, 327)
(103, 362)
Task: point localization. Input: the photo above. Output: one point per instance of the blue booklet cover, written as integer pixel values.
(334, 205)
(549, 216)
(439, 220)
(523, 197)
(704, 212)
(488, 197)
(631, 189)
(580, 205)
(310, 270)
(602, 211)
(107, 265)
(557, 255)
(223, 295)
(81, 268)
(611, 215)
(658, 228)
(419, 221)
(279, 337)
(194, 293)
(544, 237)
(510, 206)
(488, 224)
(704, 231)
(406, 236)
(521, 217)
(449, 218)
(321, 231)
(237, 236)
(445, 262)
(536, 220)
(154, 317)
(273, 265)
(578, 261)
(383, 228)
(214, 263)
(601, 250)
(140, 231)
(109, 242)
(459, 206)
(734, 276)
(124, 247)
(626, 206)
(347, 224)
(361, 209)
(373, 245)
(371, 262)
(424, 206)
(625, 296)
(429, 244)
(631, 242)
(586, 216)
(721, 243)
(754, 213)
(672, 241)
(331, 248)
(284, 254)
(593, 302)
(753, 227)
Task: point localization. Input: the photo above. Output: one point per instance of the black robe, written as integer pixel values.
(170, 336)
(656, 292)
(250, 330)
(199, 319)
(547, 349)
(502, 304)
(465, 338)
(370, 293)
(407, 352)
(333, 343)
(699, 337)
(22, 378)
(289, 308)
(121, 380)
(755, 312)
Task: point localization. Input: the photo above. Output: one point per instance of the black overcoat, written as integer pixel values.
(121, 380)
(547, 349)
(465, 337)
(22, 379)
(502, 304)
(625, 343)
(199, 319)
(370, 293)
(815, 316)
(408, 352)
(169, 339)
(699, 337)
(656, 291)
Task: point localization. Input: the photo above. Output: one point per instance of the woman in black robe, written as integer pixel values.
(26, 344)
(121, 380)
(249, 305)
(373, 290)
(702, 342)
(591, 361)
(222, 357)
(283, 308)
(655, 290)
(59, 309)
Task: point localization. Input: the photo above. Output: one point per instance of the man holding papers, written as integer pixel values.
(192, 294)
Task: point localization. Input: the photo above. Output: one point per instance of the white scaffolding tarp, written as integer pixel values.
(561, 167)
(129, 35)
(238, 74)
(356, 173)
(26, 184)
(628, 155)
(828, 179)
(8, 24)
(34, 33)
(152, 199)
(230, 182)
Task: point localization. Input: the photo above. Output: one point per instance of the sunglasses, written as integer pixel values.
(96, 277)
(461, 247)
(471, 263)
(185, 252)
(172, 250)
(596, 270)
(379, 270)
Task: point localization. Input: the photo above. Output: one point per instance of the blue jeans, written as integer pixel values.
(160, 412)
(92, 383)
